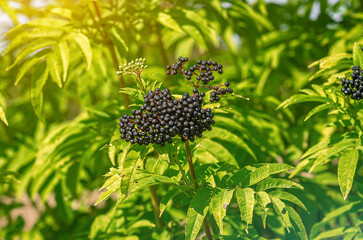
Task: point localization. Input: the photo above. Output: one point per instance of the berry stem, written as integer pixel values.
(156, 203)
(194, 178)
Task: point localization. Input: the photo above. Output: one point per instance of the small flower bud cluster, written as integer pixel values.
(135, 66)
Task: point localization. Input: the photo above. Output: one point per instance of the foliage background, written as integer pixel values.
(61, 98)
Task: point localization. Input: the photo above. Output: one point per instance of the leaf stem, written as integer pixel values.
(182, 171)
(194, 178)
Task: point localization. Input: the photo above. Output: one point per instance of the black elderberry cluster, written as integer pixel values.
(203, 70)
(214, 95)
(161, 118)
(354, 87)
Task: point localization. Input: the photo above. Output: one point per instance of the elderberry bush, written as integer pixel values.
(354, 87)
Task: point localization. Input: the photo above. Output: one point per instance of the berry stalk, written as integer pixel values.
(194, 178)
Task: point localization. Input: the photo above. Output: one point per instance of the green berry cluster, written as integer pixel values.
(134, 66)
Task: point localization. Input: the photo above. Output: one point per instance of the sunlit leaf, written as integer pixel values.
(84, 45)
(219, 205)
(346, 170)
(246, 203)
(3, 117)
(39, 77)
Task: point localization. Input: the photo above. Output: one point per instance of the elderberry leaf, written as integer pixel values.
(197, 211)
(3, 117)
(297, 223)
(346, 170)
(39, 77)
(62, 52)
(219, 203)
(277, 183)
(246, 203)
(54, 67)
(263, 200)
(300, 98)
(279, 207)
(263, 172)
(283, 195)
(84, 45)
(357, 55)
(26, 67)
(353, 207)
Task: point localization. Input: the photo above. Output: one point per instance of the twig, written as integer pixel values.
(194, 178)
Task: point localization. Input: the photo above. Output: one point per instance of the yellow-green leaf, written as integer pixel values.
(26, 67)
(85, 46)
(39, 77)
(55, 68)
(3, 117)
(246, 203)
(62, 53)
(346, 170)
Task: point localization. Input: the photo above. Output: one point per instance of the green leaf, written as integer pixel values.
(136, 93)
(216, 150)
(3, 117)
(55, 68)
(197, 211)
(298, 224)
(346, 170)
(357, 55)
(279, 207)
(145, 179)
(63, 12)
(168, 21)
(113, 185)
(246, 203)
(277, 183)
(26, 67)
(62, 52)
(318, 109)
(39, 77)
(299, 98)
(228, 136)
(170, 195)
(288, 197)
(85, 46)
(31, 48)
(129, 170)
(219, 205)
(31, 35)
(119, 41)
(348, 208)
(336, 149)
(263, 199)
(329, 142)
(264, 172)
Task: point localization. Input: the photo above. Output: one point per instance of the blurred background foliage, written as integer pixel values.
(60, 95)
